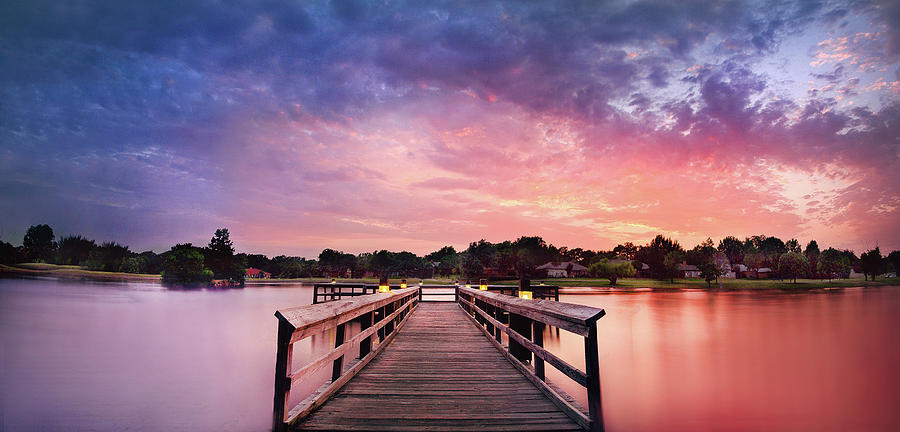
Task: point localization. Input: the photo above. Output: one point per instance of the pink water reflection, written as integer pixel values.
(744, 361)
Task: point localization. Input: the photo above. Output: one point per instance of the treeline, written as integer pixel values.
(785, 259)
(661, 258)
(183, 263)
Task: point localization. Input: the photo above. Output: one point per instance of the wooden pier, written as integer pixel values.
(475, 362)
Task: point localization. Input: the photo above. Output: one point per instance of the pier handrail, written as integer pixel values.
(323, 292)
(380, 313)
(524, 325)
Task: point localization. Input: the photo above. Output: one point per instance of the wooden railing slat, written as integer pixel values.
(321, 396)
(573, 412)
(330, 356)
(317, 318)
(567, 316)
(560, 364)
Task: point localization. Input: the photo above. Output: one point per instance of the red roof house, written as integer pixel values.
(255, 273)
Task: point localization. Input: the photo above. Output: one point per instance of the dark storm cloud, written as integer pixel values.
(330, 56)
(131, 108)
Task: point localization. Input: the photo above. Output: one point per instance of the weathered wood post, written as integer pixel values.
(538, 338)
(283, 356)
(592, 370)
(338, 365)
(522, 326)
(365, 345)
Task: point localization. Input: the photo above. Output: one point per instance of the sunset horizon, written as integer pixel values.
(362, 127)
(489, 215)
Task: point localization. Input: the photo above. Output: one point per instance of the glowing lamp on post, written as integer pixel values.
(525, 289)
(383, 285)
(402, 283)
(333, 280)
(468, 284)
(483, 285)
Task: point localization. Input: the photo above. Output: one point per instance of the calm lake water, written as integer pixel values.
(105, 356)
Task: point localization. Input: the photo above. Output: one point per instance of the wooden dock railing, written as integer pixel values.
(380, 314)
(523, 321)
(323, 292)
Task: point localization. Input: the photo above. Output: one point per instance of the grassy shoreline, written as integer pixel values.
(73, 272)
(726, 284)
(603, 285)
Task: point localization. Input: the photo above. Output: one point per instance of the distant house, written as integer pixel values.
(740, 271)
(728, 271)
(689, 270)
(255, 273)
(643, 271)
(764, 273)
(564, 269)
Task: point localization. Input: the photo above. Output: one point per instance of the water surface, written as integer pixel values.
(136, 356)
(744, 361)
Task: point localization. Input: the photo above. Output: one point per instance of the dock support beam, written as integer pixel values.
(283, 357)
(592, 370)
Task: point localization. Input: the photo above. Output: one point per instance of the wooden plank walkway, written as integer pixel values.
(440, 373)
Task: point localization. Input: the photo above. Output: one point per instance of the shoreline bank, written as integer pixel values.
(567, 286)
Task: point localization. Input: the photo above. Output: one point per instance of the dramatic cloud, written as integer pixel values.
(406, 125)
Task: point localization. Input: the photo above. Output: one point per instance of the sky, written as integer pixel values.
(413, 125)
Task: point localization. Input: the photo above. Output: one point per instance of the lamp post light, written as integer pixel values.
(468, 284)
(525, 289)
(402, 283)
(333, 280)
(483, 285)
(383, 285)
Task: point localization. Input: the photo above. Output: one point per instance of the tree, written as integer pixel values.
(625, 251)
(39, 243)
(220, 257)
(221, 242)
(654, 255)
(108, 257)
(184, 264)
(408, 264)
(872, 263)
(383, 263)
(8, 253)
(135, 264)
(335, 263)
(710, 272)
(528, 253)
(792, 264)
(259, 261)
(440, 254)
(792, 245)
(702, 253)
(671, 263)
(74, 250)
(812, 255)
(471, 266)
(893, 260)
(611, 270)
(733, 249)
(832, 262)
(151, 263)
